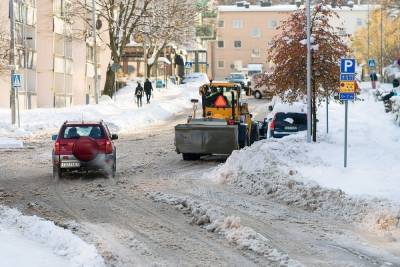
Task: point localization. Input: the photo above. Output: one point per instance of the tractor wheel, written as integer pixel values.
(190, 156)
(255, 133)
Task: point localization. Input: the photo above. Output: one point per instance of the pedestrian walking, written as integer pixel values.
(148, 88)
(374, 79)
(139, 94)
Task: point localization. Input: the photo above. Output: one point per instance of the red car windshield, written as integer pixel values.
(74, 132)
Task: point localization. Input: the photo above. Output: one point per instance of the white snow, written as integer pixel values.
(122, 115)
(35, 242)
(214, 220)
(10, 143)
(312, 176)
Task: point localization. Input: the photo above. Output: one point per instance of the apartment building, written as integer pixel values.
(25, 15)
(54, 56)
(244, 34)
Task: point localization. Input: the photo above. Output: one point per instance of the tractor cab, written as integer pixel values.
(221, 100)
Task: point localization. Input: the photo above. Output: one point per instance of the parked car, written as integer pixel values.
(239, 78)
(285, 119)
(263, 91)
(84, 146)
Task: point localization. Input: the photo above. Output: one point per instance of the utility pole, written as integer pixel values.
(368, 38)
(12, 59)
(96, 82)
(381, 65)
(308, 71)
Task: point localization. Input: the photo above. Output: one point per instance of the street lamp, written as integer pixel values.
(308, 70)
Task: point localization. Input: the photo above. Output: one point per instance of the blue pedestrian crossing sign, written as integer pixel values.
(347, 66)
(371, 63)
(16, 80)
(188, 65)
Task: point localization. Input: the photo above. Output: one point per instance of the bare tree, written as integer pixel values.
(4, 48)
(168, 21)
(120, 19)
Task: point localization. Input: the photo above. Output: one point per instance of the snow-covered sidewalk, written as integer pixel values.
(122, 115)
(7, 143)
(373, 160)
(34, 242)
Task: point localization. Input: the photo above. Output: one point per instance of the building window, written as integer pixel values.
(255, 33)
(221, 64)
(237, 44)
(272, 24)
(359, 22)
(220, 44)
(255, 52)
(220, 23)
(237, 24)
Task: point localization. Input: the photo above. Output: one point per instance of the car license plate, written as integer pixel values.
(73, 164)
(290, 128)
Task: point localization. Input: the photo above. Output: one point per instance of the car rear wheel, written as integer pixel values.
(258, 95)
(57, 172)
(190, 156)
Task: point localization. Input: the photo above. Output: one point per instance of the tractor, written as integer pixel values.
(226, 124)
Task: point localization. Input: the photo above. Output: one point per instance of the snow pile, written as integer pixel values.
(7, 143)
(122, 113)
(213, 219)
(42, 243)
(312, 177)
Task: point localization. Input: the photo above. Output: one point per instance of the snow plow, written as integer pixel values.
(225, 125)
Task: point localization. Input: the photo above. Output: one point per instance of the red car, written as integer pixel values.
(84, 146)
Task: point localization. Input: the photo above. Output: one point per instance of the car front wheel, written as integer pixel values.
(258, 95)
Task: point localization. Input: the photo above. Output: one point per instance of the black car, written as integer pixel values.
(286, 123)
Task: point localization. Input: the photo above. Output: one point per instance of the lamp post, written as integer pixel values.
(308, 11)
(96, 81)
(381, 48)
(12, 60)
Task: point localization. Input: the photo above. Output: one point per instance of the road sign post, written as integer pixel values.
(347, 93)
(346, 111)
(16, 84)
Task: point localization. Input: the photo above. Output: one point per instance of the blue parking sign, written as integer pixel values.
(347, 65)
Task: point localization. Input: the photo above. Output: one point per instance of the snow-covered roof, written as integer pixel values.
(282, 8)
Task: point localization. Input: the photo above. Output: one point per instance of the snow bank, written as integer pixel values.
(8, 143)
(312, 177)
(214, 220)
(32, 241)
(122, 113)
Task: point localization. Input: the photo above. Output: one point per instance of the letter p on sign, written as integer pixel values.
(348, 65)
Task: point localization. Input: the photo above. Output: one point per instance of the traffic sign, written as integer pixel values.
(16, 80)
(188, 65)
(371, 63)
(346, 96)
(347, 87)
(347, 66)
(347, 77)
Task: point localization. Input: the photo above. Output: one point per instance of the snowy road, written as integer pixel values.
(149, 215)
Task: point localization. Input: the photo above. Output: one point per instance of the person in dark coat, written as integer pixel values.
(148, 88)
(139, 94)
(374, 79)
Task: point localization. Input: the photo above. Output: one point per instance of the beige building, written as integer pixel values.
(58, 51)
(243, 35)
